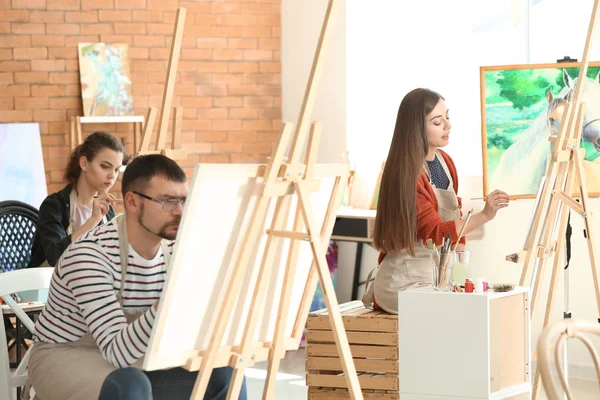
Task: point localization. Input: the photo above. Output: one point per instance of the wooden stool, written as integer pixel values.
(373, 337)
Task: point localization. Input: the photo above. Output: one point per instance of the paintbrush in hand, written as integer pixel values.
(462, 231)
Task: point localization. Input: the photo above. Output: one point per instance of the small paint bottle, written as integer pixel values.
(469, 286)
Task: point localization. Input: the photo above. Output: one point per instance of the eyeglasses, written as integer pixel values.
(167, 205)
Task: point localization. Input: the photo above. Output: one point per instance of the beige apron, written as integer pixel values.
(399, 270)
(73, 203)
(82, 367)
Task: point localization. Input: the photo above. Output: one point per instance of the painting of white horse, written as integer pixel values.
(522, 106)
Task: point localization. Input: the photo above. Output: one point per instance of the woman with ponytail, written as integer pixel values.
(84, 203)
(417, 200)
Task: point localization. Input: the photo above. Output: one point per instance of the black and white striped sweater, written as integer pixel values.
(83, 297)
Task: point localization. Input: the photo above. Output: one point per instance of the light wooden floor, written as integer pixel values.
(291, 381)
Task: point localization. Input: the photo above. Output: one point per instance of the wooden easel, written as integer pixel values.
(283, 181)
(555, 200)
(175, 152)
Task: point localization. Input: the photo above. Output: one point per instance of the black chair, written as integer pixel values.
(18, 223)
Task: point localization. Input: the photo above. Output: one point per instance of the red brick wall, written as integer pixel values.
(228, 80)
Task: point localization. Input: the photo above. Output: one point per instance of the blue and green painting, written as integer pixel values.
(105, 81)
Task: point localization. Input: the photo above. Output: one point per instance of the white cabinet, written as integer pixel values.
(464, 345)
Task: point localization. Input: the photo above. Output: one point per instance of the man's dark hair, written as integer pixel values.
(143, 168)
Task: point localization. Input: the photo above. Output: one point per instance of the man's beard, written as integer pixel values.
(162, 232)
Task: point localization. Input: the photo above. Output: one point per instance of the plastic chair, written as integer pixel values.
(11, 282)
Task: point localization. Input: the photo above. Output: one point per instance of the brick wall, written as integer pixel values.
(228, 80)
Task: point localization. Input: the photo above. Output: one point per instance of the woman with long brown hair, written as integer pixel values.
(417, 199)
(84, 203)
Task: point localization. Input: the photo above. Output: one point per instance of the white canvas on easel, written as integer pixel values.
(206, 247)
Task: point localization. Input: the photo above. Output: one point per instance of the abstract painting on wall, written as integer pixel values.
(22, 175)
(522, 108)
(105, 79)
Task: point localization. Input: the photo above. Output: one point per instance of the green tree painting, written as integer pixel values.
(522, 88)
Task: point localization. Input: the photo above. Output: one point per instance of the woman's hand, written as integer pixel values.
(101, 205)
(493, 202)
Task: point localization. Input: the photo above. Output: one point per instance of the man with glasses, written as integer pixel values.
(105, 290)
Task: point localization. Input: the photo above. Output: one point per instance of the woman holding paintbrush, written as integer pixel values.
(418, 201)
(84, 203)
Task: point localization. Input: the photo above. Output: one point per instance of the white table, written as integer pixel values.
(29, 306)
(464, 345)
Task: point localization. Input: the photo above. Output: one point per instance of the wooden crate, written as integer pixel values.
(373, 337)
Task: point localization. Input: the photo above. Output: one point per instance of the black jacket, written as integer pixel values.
(51, 238)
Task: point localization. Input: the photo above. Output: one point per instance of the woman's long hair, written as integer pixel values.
(91, 146)
(396, 220)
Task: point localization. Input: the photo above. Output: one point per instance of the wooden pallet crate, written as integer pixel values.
(373, 338)
(342, 394)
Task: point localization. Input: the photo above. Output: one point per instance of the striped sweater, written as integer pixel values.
(83, 297)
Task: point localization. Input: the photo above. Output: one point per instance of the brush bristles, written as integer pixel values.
(503, 287)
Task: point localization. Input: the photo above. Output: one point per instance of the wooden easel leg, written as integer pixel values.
(572, 172)
(171, 75)
(235, 386)
(177, 122)
(278, 349)
(257, 304)
(588, 228)
(547, 230)
(337, 324)
(139, 137)
(312, 280)
(537, 222)
(135, 134)
(78, 129)
(556, 265)
(305, 303)
(209, 358)
(147, 132)
(258, 214)
(72, 134)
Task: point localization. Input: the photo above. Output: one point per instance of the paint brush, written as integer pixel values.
(462, 231)
(115, 200)
(483, 198)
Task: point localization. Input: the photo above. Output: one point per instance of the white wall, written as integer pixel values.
(301, 23)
